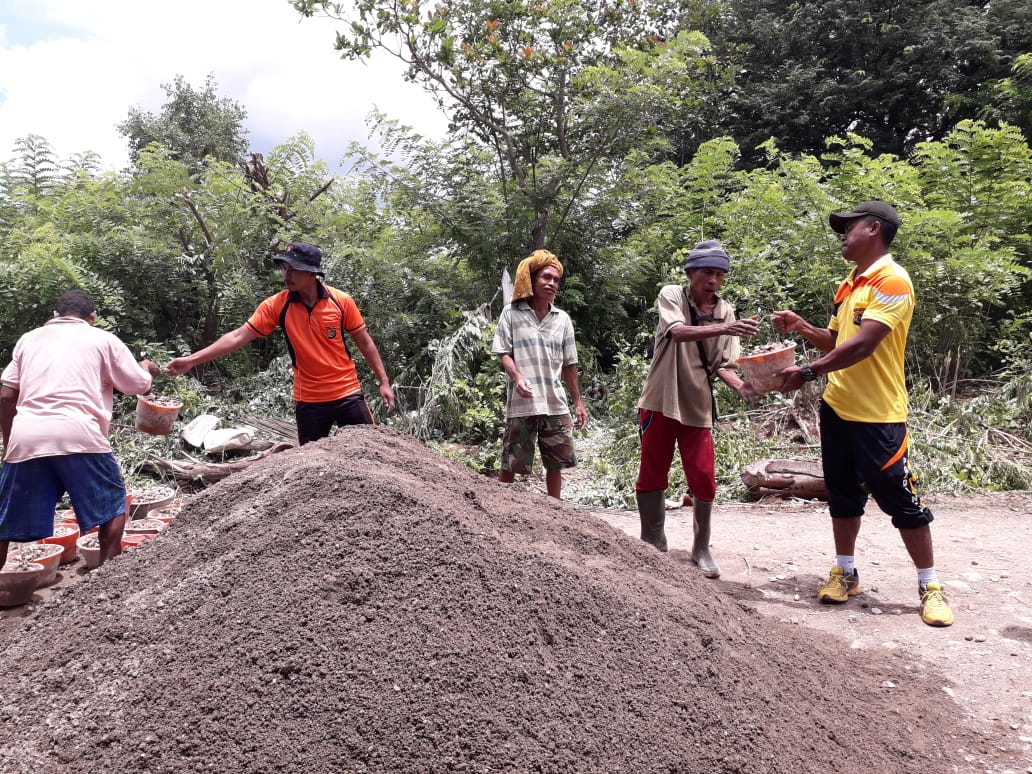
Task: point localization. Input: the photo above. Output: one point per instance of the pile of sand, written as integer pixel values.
(365, 605)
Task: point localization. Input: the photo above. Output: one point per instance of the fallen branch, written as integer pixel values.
(208, 472)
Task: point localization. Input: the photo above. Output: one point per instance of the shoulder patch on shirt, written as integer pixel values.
(891, 290)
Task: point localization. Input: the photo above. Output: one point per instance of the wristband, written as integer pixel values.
(808, 373)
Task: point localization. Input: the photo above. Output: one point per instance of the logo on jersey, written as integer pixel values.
(331, 333)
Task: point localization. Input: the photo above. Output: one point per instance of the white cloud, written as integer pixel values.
(71, 69)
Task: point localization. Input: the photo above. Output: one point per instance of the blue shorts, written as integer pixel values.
(30, 491)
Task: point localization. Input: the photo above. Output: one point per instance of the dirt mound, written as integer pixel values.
(364, 605)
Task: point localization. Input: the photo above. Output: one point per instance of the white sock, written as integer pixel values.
(845, 562)
(926, 576)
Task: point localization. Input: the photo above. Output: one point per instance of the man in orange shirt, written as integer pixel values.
(314, 318)
(863, 412)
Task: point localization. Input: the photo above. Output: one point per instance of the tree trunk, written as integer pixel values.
(539, 230)
(785, 478)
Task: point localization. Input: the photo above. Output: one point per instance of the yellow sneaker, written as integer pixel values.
(935, 610)
(839, 586)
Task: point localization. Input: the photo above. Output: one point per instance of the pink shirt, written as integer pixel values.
(65, 373)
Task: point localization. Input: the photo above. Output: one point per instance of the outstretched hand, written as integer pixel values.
(785, 321)
(178, 366)
(150, 367)
(746, 327)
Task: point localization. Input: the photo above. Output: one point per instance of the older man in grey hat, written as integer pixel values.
(314, 318)
(696, 341)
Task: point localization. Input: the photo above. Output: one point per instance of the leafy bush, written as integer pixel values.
(464, 397)
(980, 442)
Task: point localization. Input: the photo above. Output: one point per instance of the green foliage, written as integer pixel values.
(36, 170)
(1012, 97)
(632, 366)
(1001, 80)
(976, 443)
(460, 400)
(193, 125)
(266, 392)
(483, 418)
(967, 247)
(616, 465)
(896, 73)
(1013, 346)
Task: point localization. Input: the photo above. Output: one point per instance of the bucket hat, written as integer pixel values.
(303, 257)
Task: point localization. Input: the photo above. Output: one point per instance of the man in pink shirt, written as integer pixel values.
(55, 411)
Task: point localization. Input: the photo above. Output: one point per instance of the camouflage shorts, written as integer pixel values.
(554, 436)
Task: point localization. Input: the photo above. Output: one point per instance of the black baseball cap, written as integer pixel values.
(881, 210)
(303, 257)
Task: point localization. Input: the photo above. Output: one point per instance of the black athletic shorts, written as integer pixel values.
(872, 455)
(315, 420)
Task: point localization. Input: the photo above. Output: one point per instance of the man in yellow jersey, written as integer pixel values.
(863, 413)
(314, 318)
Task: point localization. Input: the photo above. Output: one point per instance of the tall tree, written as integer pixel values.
(1001, 91)
(193, 125)
(880, 68)
(35, 170)
(557, 91)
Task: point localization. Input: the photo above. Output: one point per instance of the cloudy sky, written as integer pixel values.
(71, 69)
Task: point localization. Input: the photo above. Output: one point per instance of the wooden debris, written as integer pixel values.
(283, 428)
(785, 478)
(209, 472)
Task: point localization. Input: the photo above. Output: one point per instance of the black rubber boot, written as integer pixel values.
(700, 545)
(652, 510)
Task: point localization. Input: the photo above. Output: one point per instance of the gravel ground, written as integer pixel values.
(365, 605)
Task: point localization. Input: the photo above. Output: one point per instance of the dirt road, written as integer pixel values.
(773, 556)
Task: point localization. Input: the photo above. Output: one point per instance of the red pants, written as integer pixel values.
(658, 436)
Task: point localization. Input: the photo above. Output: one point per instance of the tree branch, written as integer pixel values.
(208, 238)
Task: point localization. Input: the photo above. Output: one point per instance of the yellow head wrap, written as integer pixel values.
(522, 285)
